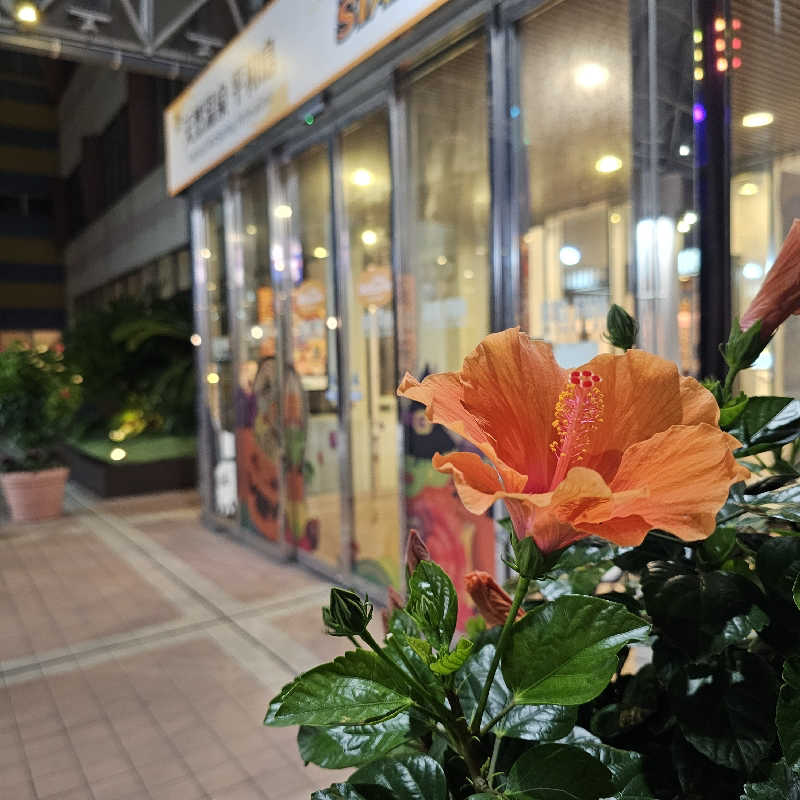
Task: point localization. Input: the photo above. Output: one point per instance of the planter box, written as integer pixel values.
(117, 480)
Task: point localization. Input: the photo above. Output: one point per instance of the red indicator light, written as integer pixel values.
(736, 24)
(737, 62)
(736, 43)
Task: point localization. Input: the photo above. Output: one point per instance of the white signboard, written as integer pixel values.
(290, 51)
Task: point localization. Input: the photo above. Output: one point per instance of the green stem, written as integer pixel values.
(489, 725)
(493, 761)
(728, 387)
(519, 596)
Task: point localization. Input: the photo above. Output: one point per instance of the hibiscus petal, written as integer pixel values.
(641, 396)
(687, 470)
(624, 531)
(698, 404)
(512, 383)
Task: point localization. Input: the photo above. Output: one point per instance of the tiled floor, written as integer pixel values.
(138, 652)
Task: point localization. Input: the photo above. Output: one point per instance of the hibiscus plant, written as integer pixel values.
(650, 646)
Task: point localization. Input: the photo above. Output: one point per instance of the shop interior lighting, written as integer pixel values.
(441, 260)
(117, 454)
(205, 253)
(736, 24)
(320, 252)
(752, 271)
(251, 230)
(27, 13)
(683, 226)
(719, 24)
(698, 113)
(607, 164)
(684, 150)
(331, 323)
(736, 62)
(722, 64)
(212, 378)
(283, 211)
(569, 256)
(736, 43)
(615, 218)
(369, 237)
(697, 36)
(719, 45)
(698, 73)
(469, 274)
(758, 119)
(256, 332)
(590, 76)
(748, 189)
(698, 54)
(690, 217)
(361, 177)
(195, 339)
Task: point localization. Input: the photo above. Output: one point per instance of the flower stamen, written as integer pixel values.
(578, 412)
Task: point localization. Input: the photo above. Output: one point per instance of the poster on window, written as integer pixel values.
(309, 343)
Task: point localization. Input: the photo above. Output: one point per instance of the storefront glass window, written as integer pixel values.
(576, 139)
(366, 179)
(444, 296)
(218, 375)
(311, 384)
(765, 184)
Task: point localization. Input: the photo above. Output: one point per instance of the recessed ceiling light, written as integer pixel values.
(320, 252)
(748, 189)
(361, 177)
(607, 164)
(569, 256)
(283, 211)
(251, 230)
(27, 13)
(690, 217)
(758, 119)
(590, 76)
(615, 218)
(369, 237)
(752, 271)
(684, 150)
(683, 226)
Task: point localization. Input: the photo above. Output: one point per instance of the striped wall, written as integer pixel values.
(31, 271)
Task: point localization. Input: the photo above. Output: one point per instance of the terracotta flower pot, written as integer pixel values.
(32, 496)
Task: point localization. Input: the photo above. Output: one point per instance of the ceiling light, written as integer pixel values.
(117, 454)
(683, 226)
(369, 237)
(441, 260)
(569, 255)
(212, 377)
(283, 211)
(320, 252)
(251, 230)
(195, 339)
(607, 164)
(331, 323)
(205, 253)
(758, 119)
(752, 271)
(256, 332)
(590, 76)
(469, 274)
(615, 218)
(684, 150)
(690, 217)
(361, 177)
(27, 13)
(748, 189)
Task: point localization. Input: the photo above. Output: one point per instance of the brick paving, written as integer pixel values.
(138, 652)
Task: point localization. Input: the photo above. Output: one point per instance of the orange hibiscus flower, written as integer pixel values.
(614, 449)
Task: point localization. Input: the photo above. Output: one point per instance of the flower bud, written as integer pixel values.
(416, 551)
(348, 614)
(622, 328)
(492, 602)
(779, 295)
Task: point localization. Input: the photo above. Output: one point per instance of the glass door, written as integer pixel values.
(311, 417)
(217, 376)
(370, 340)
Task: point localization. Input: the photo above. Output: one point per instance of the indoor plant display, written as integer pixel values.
(646, 511)
(38, 399)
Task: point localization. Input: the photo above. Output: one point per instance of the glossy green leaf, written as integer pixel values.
(340, 746)
(783, 784)
(558, 772)
(731, 411)
(338, 791)
(450, 662)
(422, 648)
(532, 722)
(402, 653)
(729, 718)
(764, 423)
(787, 714)
(718, 546)
(778, 566)
(565, 652)
(353, 689)
(417, 777)
(796, 591)
(433, 603)
(626, 767)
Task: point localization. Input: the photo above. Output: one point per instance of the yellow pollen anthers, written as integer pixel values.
(578, 411)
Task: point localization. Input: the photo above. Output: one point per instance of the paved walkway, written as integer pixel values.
(138, 652)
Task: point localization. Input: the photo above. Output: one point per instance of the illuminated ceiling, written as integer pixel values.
(174, 38)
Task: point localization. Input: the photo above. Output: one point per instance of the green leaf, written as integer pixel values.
(355, 688)
(626, 767)
(783, 784)
(787, 714)
(716, 549)
(433, 603)
(783, 503)
(338, 791)
(558, 772)
(422, 648)
(742, 347)
(416, 777)
(351, 745)
(532, 722)
(450, 662)
(766, 422)
(778, 566)
(732, 410)
(565, 652)
(796, 591)
(729, 718)
(402, 653)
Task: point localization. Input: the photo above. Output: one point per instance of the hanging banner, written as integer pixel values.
(289, 52)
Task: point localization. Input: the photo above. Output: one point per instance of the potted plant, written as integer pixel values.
(38, 399)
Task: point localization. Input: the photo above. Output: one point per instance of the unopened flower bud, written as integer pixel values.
(622, 328)
(416, 551)
(492, 602)
(348, 614)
